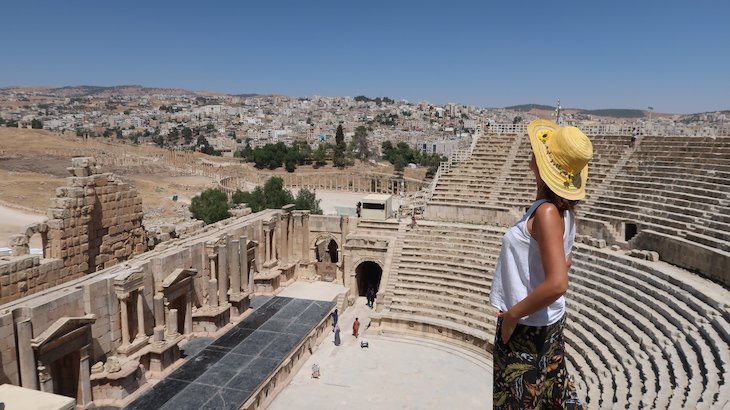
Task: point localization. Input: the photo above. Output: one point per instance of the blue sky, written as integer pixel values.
(672, 55)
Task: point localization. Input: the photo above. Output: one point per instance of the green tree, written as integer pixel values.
(399, 163)
(307, 200)
(187, 134)
(271, 196)
(210, 206)
(205, 146)
(340, 136)
(36, 124)
(360, 143)
(517, 120)
(290, 161)
(338, 158)
(319, 156)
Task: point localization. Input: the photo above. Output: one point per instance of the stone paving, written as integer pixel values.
(224, 374)
(394, 372)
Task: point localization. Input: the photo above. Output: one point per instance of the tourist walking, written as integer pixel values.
(335, 318)
(531, 276)
(356, 328)
(337, 335)
(370, 296)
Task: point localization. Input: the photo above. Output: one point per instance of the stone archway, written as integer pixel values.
(368, 274)
(326, 248)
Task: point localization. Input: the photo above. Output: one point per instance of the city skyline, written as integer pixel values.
(591, 56)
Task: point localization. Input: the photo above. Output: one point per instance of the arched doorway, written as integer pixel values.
(368, 274)
(326, 250)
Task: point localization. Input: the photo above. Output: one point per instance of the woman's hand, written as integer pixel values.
(509, 323)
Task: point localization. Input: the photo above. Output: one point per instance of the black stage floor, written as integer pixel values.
(226, 373)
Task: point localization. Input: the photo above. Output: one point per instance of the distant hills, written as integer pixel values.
(528, 107)
(607, 112)
(615, 112)
(136, 89)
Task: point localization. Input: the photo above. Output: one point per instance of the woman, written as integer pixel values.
(337, 335)
(532, 275)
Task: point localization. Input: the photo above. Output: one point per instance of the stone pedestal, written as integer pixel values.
(240, 303)
(210, 319)
(267, 282)
(163, 355)
(118, 385)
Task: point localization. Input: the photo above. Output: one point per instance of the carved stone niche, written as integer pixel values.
(242, 261)
(178, 294)
(129, 288)
(62, 357)
(173, 318)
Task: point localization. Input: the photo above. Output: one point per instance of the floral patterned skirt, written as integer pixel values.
(530, 371)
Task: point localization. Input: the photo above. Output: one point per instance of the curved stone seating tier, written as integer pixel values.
(691, 333)
(629, 183)
(623, 337)
(587, 382)
(444, 273)
(667, 355)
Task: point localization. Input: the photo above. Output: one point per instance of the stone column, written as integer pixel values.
(234, 266)
(211, 255)
(275, 240)
(26, 357)
(44, 376)
(290, 238)
(284, 235)
(172, 322)
(305, 237)
(188, 324)
(159, 305)
(213, 293)
(267, 247)
(83, 395)
(125, 319)
(222, 276)
(140, 314)
(243, 261)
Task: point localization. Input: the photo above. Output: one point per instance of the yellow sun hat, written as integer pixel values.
(562, 155)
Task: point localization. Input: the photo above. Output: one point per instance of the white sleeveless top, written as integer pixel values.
(520, 270)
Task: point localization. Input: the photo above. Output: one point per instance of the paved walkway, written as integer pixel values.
(393, 373)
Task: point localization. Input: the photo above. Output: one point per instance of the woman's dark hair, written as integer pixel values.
(561, 203)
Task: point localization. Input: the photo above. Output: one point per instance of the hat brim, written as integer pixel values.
(550, 174)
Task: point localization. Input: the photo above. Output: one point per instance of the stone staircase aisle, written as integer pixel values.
(392, 262)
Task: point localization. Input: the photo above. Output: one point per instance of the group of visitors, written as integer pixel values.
(336, 327)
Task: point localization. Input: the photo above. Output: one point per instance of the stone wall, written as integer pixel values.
(26, 274)
(95, 222)
(711, 263)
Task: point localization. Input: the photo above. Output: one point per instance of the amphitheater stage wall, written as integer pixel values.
(99, 303)
(711, 263)
(471, 214)
(598, 229)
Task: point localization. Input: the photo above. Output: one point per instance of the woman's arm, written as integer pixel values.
(547, 229)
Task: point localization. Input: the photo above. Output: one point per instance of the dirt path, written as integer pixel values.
(12, 222)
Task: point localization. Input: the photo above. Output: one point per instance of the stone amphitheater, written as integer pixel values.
(101, 317)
